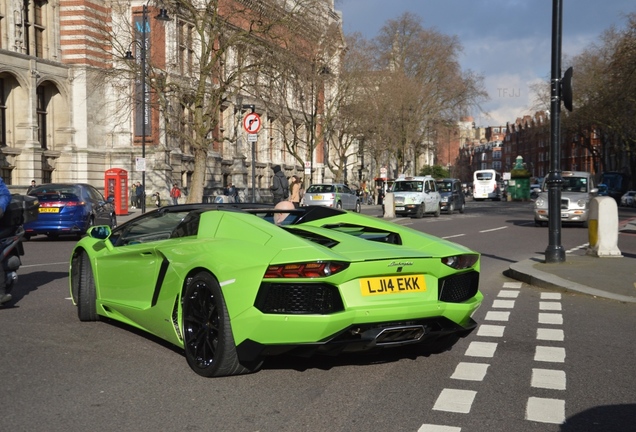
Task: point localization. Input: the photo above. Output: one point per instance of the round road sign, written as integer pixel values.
(252, 123)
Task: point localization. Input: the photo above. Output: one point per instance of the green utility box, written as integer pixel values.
(519, 189)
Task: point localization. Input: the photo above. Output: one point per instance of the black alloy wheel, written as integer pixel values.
(208, 341)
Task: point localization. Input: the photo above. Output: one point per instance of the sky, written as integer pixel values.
(508, 42)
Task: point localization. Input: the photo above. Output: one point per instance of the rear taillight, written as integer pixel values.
(61, 204)
(460, 262)
(305, 270)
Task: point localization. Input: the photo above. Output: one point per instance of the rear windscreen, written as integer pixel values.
(57, 194)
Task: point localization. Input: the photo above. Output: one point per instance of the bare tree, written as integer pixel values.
(220, 48)
(420, 83)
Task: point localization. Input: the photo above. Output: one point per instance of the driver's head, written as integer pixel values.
(283, 205)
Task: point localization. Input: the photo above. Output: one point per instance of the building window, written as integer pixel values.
(47, 171)
(1, 24)
(496, 154)
(3, 116)
(496, 165)
(6, 176)
(41, 111)
(38, 26)
(186, 49)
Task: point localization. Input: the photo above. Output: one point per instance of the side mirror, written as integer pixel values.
(101, 232)
(594, 190)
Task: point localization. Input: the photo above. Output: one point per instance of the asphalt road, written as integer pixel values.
(533, 346)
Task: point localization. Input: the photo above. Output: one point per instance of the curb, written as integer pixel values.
(525, 271)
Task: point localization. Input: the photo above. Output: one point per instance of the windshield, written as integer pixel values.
(407, 186)
(571, 184)
(444, 187)
(484, 176)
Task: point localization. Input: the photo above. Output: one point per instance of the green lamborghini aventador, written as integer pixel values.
(230, 287)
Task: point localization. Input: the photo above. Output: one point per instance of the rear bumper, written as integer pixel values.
(58, 227)
(365, 338)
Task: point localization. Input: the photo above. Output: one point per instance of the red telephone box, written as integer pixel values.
(116, 185)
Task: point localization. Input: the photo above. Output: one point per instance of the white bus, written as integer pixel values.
(487, 184)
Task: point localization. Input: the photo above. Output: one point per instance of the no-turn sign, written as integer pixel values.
(252, 123)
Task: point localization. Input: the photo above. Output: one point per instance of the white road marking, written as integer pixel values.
(549, 354)
(470, 371)
(512, 285)
(497, 316)
(508, 294)
(481, 349)
(553, 306)
(459, 401)
(438, 428)
(545, 410)
(550, 318)
(548, 379)
(491, 330)
(550, 296)
(45, 264)
(453, 236)
(494, 229)
(503, 304)
(550, 334)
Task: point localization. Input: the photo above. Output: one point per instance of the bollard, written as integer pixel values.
(389, 208)
(603, 228)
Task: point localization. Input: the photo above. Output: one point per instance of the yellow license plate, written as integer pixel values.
(316, 197)
(392, 285)
(49, 210)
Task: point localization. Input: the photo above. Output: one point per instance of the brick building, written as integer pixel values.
(66, 116)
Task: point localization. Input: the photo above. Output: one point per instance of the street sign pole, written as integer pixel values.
(555, 253)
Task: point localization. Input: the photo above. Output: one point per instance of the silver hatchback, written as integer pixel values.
(334, 195)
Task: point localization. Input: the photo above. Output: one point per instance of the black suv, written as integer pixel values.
(452, 195)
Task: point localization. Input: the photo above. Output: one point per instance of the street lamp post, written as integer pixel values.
(144, 46)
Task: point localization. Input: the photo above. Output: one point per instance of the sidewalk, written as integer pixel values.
(611, 278)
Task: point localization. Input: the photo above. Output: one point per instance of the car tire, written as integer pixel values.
(84, 288)
(358, 207)
(451, 208)
(207, 331)
(438, 211)
(462, 209)
(538, 223)
(339, 205)
(420, 211)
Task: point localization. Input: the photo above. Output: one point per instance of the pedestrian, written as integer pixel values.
(5, 200)
(133, 195)
(175, 194)
(140, 193)
(280, 185)
(157, 199)
(295, 195)
(33, 185)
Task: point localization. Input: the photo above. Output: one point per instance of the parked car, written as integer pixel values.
(67, 208)
(229, 287)
(452, 195)
(629, 199)
(336, 195)
(576, 191)
(416, 196)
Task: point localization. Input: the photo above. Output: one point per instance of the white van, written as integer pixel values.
(416, 196)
